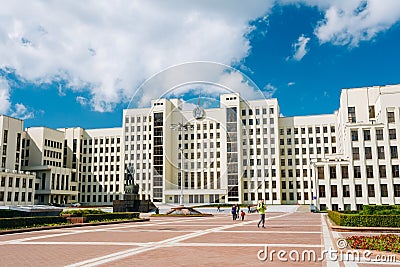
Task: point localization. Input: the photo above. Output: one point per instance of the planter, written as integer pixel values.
(76, 219)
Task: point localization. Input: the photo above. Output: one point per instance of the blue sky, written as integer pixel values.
(77, 68)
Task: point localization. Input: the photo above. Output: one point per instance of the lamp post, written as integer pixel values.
(181, 127)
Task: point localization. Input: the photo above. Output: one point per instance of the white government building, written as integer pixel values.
(240, 152)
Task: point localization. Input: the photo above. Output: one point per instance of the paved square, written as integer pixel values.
(171, 241)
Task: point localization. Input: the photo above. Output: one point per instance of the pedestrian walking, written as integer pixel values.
(248, 208)
(218, 208)
(234, 212)
(242, 215)
(237, 211)
(261, 208)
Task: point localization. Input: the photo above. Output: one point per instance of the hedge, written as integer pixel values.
(360, 220)
(112, 216)
(380, 209)
(27, 222)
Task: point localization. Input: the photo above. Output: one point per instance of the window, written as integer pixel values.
(334, 192)
(321, 173)
(358, 190)
(345, 172)
(368, 153)
(381, 152)
(357, 172)
(356, 153)
(371, 110)
(393, 152)
(392, 134)
(384, 190)
(397, 190)
(379, 134)
(332, 172)
(351, 114)
(346, 191)
(354, 135)
(390, 116)
(382, 171)
(321, 190)
(371, 190)
(370, 171)
(395, 171)
(367, 135)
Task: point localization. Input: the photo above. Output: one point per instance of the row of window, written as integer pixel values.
(357, 171)
(367, 134)
(302, 130)
(310, 140)
(257, 111)
(359, 190)
(99, 178)
(351, 112)
(24, 182)
(380, 152)
(15, 196)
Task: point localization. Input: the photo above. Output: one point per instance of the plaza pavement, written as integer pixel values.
(172, 241)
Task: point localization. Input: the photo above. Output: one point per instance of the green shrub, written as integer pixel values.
(360, 220)
(111, 216)
(27, 222)
(83, 212)
(380, 209)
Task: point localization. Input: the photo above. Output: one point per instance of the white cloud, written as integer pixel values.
(300, 49)
(353, 21)
(4, 96)
(291, 84)
(269, 90)
(22, 112)
(111, 54)
(81, 100)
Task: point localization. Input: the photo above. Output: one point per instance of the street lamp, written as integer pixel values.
(181, 127)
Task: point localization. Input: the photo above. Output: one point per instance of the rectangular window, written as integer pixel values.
(354, 135)
(321, 190)
(357, 172)
(395, 171)
(367, 135)
(346, 191)
(371, 110)
(390, 117)
(334, 192)
(368, 153)
(351, 114)
(320, 172)
(345, 172)
(332, 172)
(382, 171)
(384, 190)
(393, 152)
(356, 153)
(371, 190)
(379, 134)
(358, 190)
(397, 190)
(381, 152)
(370, 171)
(392, 134)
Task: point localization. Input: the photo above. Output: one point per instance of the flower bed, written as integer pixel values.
(389, 242)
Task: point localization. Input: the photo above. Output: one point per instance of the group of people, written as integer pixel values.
(236, 212)
(261, 208)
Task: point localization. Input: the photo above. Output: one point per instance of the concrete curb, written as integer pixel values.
(23, 230)
(338, 228)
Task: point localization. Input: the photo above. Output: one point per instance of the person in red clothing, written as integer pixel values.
(242, 214)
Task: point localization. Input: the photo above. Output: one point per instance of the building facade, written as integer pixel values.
(16, 186)
(239, 152)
